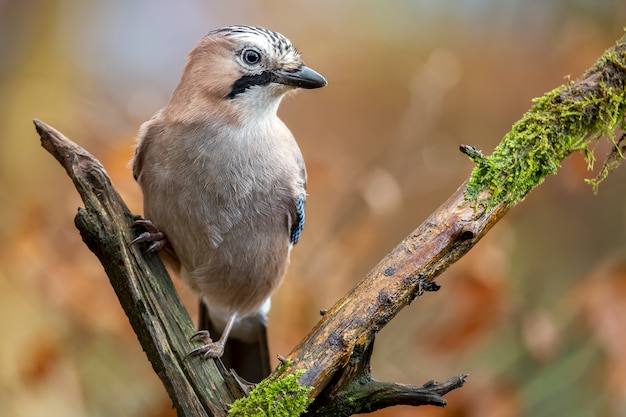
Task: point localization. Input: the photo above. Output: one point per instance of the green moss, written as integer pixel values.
(274, 397)
(565, 120)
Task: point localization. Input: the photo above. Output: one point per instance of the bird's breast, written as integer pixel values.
(213, 187)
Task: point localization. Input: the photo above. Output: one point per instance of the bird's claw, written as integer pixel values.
(209, 349)
(203, 335)
(152, 235)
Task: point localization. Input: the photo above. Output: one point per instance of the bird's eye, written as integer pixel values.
(251, 56)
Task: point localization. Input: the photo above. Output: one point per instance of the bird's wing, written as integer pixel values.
(147, 132)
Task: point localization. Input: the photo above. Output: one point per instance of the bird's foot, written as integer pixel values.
(152, 235)
(209, 349)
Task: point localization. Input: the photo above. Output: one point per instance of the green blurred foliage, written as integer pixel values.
(536, 313)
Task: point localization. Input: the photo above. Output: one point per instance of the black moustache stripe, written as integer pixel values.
(247, 81)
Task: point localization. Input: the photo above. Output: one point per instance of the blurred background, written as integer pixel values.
(535, 314)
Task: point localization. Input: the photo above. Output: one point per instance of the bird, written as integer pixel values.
(224, 186)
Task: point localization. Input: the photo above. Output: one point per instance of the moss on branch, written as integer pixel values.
(274, 396)
(568, 119)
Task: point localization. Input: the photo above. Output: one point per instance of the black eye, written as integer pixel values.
(250, 56)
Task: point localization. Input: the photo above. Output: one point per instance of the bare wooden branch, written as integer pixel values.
(354, 391)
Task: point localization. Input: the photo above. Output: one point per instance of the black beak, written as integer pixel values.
(303, 77)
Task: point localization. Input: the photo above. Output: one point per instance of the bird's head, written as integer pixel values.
(244, 66)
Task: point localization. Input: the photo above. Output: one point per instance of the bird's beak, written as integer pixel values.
(303, 77)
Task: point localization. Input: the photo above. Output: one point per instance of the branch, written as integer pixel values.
(567, 119)
(354, 391)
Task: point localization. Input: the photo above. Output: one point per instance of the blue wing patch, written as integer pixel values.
(298, 224)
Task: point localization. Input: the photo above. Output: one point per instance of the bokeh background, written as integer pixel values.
(535, 314)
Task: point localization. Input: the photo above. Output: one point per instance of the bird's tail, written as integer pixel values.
(250, 359)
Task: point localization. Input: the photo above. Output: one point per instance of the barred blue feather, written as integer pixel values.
(298, 224)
